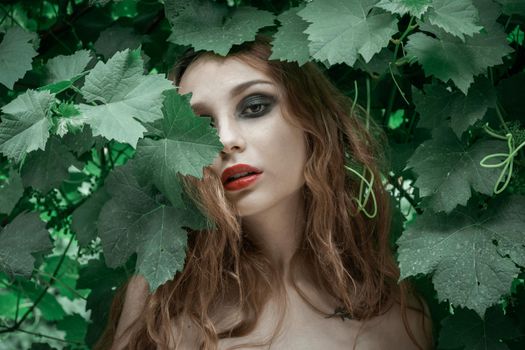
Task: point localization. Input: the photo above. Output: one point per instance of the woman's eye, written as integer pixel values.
(256, 108)
(256, 105)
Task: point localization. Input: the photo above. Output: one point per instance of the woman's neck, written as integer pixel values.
(278, 230)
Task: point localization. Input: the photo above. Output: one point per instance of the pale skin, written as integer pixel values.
(252, 128)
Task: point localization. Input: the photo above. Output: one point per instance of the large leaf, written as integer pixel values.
(457, 17)
(44, 170)
(414, 7)
(466, 253)
(102, 283)
(290, 42)
(438, 104)
(25, 125)
(447, 169)
(449, 58)
(25, 235)
(62, 68)
(132, 221)
(185, 144)
(126, 97)
(10, 192)
(466, 330)
(210, 26)
(16, 55)
(349, 24)
(116, 38)
(85, 217)
(513, 7)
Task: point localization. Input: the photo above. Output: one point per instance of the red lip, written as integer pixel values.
(237, 169)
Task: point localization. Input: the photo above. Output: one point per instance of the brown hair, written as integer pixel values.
(347, 252)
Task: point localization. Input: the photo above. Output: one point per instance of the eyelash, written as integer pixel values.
(257, 101)
(265, 104)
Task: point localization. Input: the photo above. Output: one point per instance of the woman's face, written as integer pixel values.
(247, 109)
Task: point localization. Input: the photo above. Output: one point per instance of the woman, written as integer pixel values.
(295, 259)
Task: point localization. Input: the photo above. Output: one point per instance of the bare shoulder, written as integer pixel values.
(388, 331)
(137, 292)
(419, 322)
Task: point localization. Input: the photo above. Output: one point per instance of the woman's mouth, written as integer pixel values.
(239, 176)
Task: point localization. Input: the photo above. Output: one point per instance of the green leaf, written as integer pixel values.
(456, 17)
(44, 170)
(447, 169)
(465, 329)
(415, 7)
(10, 192)
(75, 327)
(62, 68)
(438, 104)
(16, 55)
(132, 221)
(102, 283)
(210, 26)
(128, 97)
(25, 235)
(116, 38)
(463, 251)
(85, 217)
(68, 120)
(290, 42)
(448, 58)
(66, 277)
(48, 304)
(350, 24)
(185, 145)
(25, 125)
(513, 7)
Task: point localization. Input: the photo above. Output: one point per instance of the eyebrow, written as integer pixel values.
(235, 91)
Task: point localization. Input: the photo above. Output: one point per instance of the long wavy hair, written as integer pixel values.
(347, 253)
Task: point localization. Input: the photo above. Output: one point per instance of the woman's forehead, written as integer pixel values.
(213, 71)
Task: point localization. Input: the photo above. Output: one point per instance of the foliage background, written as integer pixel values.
(87, 198)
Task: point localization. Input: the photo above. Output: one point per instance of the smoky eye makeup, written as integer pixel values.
(256, 105)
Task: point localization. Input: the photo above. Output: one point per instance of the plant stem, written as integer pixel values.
(393, 181)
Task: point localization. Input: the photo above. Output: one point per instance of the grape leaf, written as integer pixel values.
(25, 127)
(127, 96)
(48, 304)
(456, 17)
(62, 67)
(513, 7)
(66, 277)
(448, 58)
(415, 7)
(463, 250)
(85, 217)
(338, 23)
(10, 192)
(16, 55)
(447, 169)
(439, 103)
(185, 144)
(75, 327)
(134, 221)
(26, 234)
(44, 170)
(290, 41)
(116, 38)
(465, 329)
(210, 26)
(102, 283)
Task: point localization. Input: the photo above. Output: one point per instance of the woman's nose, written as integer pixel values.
(231, 136)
